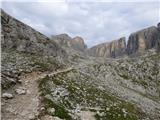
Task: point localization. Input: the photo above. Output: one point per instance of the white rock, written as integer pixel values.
(7, 95)
(47, 117)
(56, 118)
(31, 117)
(42, 108)
(51, 110)
(20, 91)
(107, 109)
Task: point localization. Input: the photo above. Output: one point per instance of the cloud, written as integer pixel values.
(96, 22)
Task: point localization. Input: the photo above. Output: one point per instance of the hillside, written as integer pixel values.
(59, 79)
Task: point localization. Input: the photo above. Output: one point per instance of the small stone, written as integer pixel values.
(107, 109)
(20, 91)
(7, 95)
(31, 117)
(42, 108)
(19, 81)
(51, 110)
(56, 118)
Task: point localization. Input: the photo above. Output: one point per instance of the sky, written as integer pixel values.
(95, 21)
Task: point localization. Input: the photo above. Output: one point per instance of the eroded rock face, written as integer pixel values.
(112, 49)
(143, 40)
(158, 42)
(78, 44)
(62, 39)
(21, 37)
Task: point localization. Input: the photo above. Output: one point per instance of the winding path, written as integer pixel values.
(25, 107)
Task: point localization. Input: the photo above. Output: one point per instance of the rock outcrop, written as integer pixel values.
(138, 43)
(143, 40)
(113, 49)
(76, 43)
(21, 37)
(62, 39)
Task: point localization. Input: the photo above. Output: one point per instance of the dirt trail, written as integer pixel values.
(25, 107)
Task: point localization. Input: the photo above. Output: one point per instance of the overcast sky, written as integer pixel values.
(96, 22)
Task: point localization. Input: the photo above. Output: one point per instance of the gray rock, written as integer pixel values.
(51, 110)
(143, 40)
(78, 44)
(7, 95)
(21, 37)
(111, 49)
(47, 117)
(20, 91)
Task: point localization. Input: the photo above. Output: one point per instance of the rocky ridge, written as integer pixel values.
(138, 43)
(77, 43)
(112, 49)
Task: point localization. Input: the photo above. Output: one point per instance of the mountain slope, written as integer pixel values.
(47, 80)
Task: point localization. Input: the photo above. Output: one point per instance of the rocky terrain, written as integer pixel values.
(59, 78)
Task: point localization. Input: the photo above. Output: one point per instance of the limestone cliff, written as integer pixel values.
(143, 40)
(62, 39)
(76, 43)
(112, 49)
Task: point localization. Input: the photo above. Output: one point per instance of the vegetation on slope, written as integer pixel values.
(72, 92)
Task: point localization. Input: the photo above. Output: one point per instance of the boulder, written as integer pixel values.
(7, 95)
(20, 91)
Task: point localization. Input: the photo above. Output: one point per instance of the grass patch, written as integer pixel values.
(85, 93)
(60, 111)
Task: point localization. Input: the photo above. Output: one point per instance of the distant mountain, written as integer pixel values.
(76, 43)
(110, 49)
(138, 43)
(143, 40)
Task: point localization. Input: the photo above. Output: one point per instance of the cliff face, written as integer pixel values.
(76, 43)
(62, 39)
(143, 40)
(138, 42)
(21, 37)
(112, 49)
